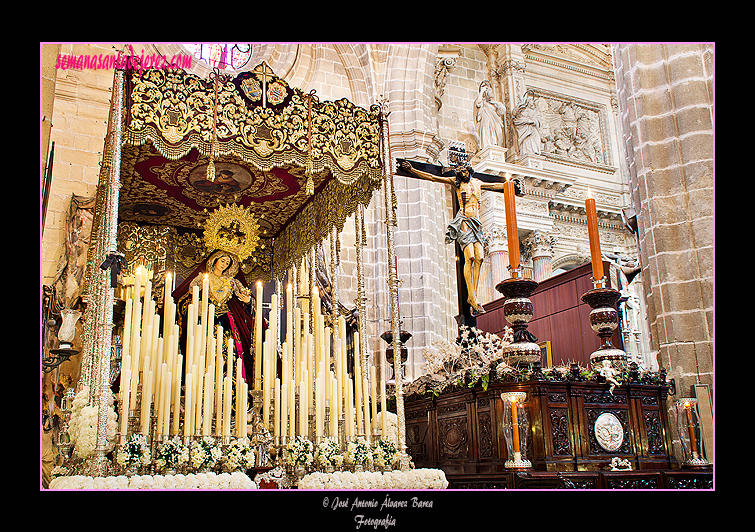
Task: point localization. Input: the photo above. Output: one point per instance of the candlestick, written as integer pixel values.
(594, 237)
(518, 311)
(512, 234)
(604, 320)
(516, 439)
(687, 425)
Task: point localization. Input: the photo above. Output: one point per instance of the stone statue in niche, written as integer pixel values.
(488, 117)
(526, 120)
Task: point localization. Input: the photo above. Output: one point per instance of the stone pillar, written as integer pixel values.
(498, 253)
(665, 101)
(541, 247)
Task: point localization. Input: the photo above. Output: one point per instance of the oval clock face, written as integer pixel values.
(608, 432)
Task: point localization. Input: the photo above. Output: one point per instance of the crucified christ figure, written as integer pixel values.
(465, 228)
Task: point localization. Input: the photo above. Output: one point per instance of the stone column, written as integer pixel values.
(541, 247)
(498, 254)
(665, 101)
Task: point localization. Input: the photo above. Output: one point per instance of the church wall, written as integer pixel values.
(79, 124)
(665, 97)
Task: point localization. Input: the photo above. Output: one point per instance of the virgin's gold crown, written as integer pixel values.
(232, 228)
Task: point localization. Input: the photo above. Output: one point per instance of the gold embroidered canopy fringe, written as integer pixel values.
(301, 165)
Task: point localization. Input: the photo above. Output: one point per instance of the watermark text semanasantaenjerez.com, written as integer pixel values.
(123, 61)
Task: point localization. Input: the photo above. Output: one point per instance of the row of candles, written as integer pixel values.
(512, 235)
(314, 364)
(313, 377)
(152, 358)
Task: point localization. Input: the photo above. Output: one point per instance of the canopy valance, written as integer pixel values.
(299, 164)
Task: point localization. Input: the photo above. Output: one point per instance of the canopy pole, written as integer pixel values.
(393, 282)
(100, 293)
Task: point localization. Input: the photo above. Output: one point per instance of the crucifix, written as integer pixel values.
(465, 229)
(261, 71)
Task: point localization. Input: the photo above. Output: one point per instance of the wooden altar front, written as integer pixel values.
(459, 431)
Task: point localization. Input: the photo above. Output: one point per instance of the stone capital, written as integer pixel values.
(540, 244)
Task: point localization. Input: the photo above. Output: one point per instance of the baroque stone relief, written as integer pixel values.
(570, 129)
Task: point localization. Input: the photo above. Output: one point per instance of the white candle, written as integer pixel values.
(384, 409)
(177, 396)
(160, 398)
(303, 413)
(208, 397)
(244, 409)
(373, 393)
(284, 409)
(126, 338)
(292, 409)
(333, 407)
(265, 387)
(358, 383)
(258, 338)
(188, 403)
(166, 404)
(318, 407)
(367, 430)
(125, 396)
(227, 407)
(277, 410)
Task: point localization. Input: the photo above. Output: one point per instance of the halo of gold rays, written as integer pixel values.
(232, 228)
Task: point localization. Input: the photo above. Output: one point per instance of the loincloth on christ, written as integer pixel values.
(455, 233)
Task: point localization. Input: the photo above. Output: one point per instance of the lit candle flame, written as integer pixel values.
(259, 284)
(589, 192)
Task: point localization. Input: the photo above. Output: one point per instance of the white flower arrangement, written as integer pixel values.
(384, 453)
(358, 452)
(300, 452)
(84, 421)
(171, 454)
(205, 453)
(239, 455)
(413, 479)
(134, 452)
(328, 453)
(210, 481)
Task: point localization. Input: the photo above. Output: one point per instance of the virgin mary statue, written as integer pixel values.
(232, 233)
(233, 301)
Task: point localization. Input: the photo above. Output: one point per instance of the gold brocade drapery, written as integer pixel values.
(267, 125)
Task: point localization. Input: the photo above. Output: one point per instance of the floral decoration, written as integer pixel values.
(210, 481)
(328, 453)
(239, 455)
(411, 479)
(358, 452)
(171, 454)
(84, 421)
(205, 453)
(384, 453)
(134, 452)
(300, 452)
